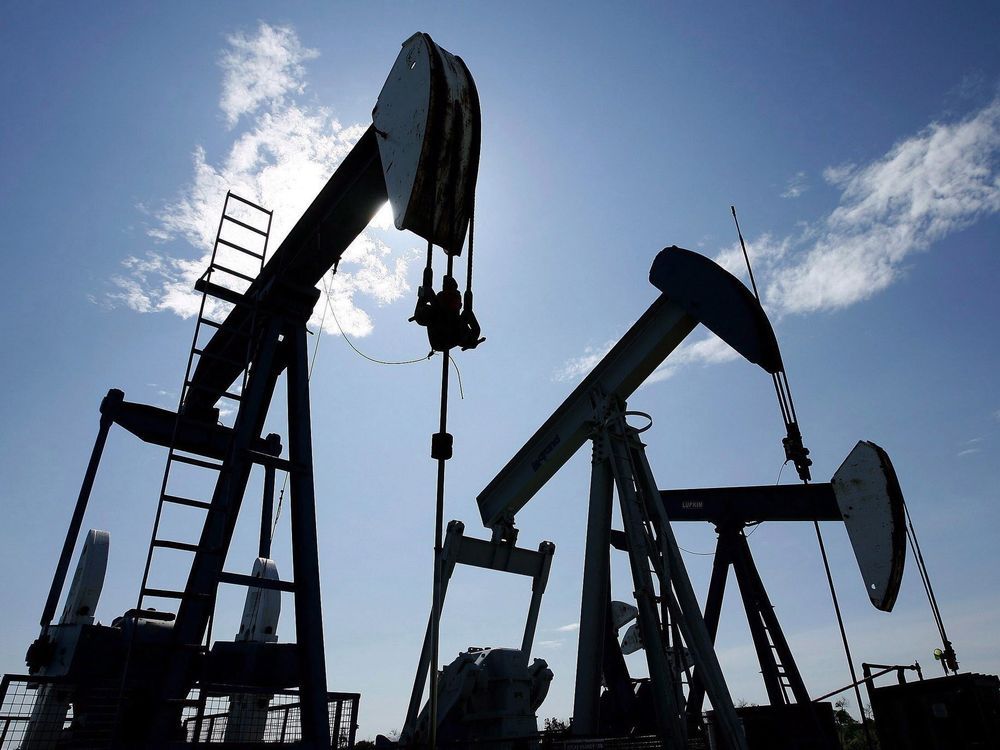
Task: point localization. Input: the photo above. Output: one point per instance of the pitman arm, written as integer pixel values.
(694, 290)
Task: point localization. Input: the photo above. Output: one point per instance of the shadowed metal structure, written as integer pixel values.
(422, 155)
(864, 495)
(694, 289)
(670, 626)
(158, 678)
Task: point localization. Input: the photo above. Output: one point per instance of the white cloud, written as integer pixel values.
(767, 254)
(923, 189)
(281, 160)
(839, 173)
(969, 451)
(708, 350)
(575, 368)
(569, 628)
(261, 69)
(378, 275)
(549, 644)
(796, 186)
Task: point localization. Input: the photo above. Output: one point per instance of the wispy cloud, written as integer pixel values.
(971, 446)
(923, 189)
(281, 159)
(573, 626)
(261, 70)
(796, 186)
(549, 644)
(708, 350)
(575, 368)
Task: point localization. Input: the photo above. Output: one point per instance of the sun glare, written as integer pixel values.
(383, 219)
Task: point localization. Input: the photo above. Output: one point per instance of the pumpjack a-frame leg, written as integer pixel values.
(619, 461)
(713, 613)
(641, 549)
(596, 595)
(773, 652)
(683, 601)
(775, 656)
(282, 345)
(305, 547)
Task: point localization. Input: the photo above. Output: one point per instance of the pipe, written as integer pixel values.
(113, 398)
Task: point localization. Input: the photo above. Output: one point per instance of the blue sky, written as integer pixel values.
(860, 144)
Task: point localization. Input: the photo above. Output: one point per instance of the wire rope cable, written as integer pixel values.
(949, 653)
(843, 635)
(328, 305)
(787, 406)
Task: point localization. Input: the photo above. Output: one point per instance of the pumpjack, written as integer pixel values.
(676, 636)
(150, 678)
(155, 677)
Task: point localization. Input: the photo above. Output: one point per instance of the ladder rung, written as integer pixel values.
(183, 546)
(209, 355)
(186, 501)
(234, 246)
(226, 295)
(217, 324)
(239, 579)
(250, 203)
(195, 462)
(243, 224)
(231, 272)
(168, 594)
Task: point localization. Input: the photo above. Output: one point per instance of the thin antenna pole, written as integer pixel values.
(746, 257)
(780, 389)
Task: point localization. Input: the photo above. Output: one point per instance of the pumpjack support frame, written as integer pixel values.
(281, 346)
(863, 494)
(694, 289)
(459, 549)
(443, 158)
